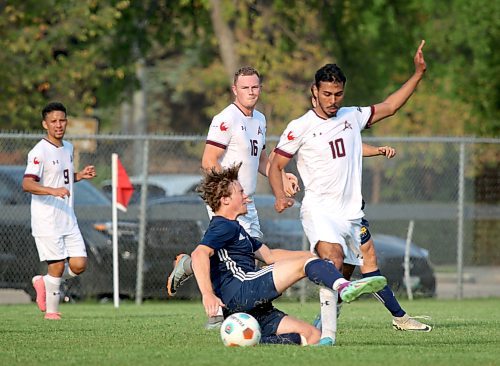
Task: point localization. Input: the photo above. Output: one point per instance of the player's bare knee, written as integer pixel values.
(312, 335)
(337, 260)
(78, 265)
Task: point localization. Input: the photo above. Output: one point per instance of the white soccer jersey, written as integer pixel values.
(52, 166)
(243, 138)
(329, 158)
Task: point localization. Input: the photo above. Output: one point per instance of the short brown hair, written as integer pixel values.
(245, 71)
(217, 184)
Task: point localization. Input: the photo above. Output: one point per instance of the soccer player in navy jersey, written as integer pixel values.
(225, 270)
(236, 134)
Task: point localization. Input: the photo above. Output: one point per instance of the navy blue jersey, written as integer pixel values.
(234, 257)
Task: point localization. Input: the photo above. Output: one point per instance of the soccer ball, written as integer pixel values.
(240, 330)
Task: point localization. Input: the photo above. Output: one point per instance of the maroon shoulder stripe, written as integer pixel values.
(35, 177)
(210, 142)
(369, 123)
(283, 153)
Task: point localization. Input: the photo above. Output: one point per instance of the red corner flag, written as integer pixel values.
(124, 188)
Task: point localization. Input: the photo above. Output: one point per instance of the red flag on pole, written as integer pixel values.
(124, 189)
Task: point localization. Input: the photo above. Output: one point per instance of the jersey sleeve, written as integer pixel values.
(256, 244)
(290, 140)
(220, 131)
(263, 127)
(364, 116)
(218, 235)
(34, 167)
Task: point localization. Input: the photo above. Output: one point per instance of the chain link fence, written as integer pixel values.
(449, 188)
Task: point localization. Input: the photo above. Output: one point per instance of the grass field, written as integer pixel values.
(171, 333)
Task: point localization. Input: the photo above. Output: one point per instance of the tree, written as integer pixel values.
(54, 50)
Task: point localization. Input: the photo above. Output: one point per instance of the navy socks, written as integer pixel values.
(322, 272)
(386, 297)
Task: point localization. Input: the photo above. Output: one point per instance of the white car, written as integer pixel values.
(160, 185)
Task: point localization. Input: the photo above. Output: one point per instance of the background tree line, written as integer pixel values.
(173, 60)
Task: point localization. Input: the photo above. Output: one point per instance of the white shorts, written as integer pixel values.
(320, 225)
(249, 221)
(54, 248)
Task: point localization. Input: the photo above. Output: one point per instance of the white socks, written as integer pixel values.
(328, 301)
(53, 294)
(339, 282)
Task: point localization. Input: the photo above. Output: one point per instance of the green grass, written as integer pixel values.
(171, 333)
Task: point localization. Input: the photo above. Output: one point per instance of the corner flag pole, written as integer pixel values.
(114, 184)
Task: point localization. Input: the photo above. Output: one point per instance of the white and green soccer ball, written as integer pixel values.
(240, 330)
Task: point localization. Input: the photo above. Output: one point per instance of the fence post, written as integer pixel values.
(460, 224)
(142, 224)
(409, 236)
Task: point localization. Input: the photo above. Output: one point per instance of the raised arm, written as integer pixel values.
(397, 99)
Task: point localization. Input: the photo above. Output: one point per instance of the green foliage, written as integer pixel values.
(466, 38)
(84, 53)
(171, 333)
(54, 50)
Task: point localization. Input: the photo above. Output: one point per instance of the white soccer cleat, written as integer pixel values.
(407, 322)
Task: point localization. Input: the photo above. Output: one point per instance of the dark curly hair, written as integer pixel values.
(329, 73)
(217, 184)
(51, 107)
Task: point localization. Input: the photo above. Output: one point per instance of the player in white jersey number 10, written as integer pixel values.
(328, 145)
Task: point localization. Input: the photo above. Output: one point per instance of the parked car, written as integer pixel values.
(390, 254)
(19, 260)
(159, 186)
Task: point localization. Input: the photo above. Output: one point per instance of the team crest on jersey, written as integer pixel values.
(36, 161)
(223, 127)
(347, 125)
(290, 136)
(259, 131)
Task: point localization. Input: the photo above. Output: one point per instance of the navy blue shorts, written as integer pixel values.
(365, 233)
(255, 297)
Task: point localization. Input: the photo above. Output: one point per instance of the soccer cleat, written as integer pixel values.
(327, 341)
(214, 322)
(39, 285)
(178, 276)
(52, 316)
(352, 290)
(317, 322)
(406, 322)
